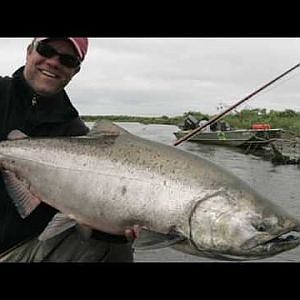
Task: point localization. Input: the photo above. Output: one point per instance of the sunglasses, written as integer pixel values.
(67, 60)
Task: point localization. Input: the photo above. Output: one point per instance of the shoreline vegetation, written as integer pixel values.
(288, 119)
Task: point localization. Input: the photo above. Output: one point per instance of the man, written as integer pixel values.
(202, 122)
(35, 102)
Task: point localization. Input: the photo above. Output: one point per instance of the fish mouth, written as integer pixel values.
(268, 245)
(261, 247)
(287, 240)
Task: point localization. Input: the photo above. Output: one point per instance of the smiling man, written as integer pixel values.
(35, 102)
(51, 64)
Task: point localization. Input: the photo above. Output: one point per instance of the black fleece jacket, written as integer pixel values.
(21, 108)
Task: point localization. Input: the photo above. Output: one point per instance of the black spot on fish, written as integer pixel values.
(124, 190)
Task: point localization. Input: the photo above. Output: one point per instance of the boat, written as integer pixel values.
(235, 138)
(222, 134)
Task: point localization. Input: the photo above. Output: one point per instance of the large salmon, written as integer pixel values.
(112, 179)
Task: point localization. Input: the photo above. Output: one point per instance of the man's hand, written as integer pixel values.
(133, 232)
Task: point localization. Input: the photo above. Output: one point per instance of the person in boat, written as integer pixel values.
(34, 101)
(202, 122)
(220, 126)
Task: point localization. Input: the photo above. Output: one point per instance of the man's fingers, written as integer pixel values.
(133, 233)
(136, 231)
(130, 235)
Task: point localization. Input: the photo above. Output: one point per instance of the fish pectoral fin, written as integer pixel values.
(155, 240)
(16, 134)
(57, 225)
(23, 199)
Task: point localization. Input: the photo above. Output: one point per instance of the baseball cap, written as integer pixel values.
(80, 44)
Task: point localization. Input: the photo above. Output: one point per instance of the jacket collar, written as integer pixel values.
(57, 108)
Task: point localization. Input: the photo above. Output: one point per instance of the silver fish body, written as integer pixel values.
(112, 180)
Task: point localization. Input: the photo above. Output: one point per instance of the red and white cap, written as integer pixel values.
(80, 44)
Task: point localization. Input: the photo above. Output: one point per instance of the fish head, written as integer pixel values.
(241, 226)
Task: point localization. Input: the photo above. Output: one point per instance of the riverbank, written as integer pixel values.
(284, 150)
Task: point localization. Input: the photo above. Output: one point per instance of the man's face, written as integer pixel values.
(47, 76)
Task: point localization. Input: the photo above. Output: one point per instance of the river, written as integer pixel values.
(279, 183)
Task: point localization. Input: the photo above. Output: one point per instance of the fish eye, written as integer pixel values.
(260, 227)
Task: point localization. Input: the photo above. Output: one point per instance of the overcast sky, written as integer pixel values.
(170, 76)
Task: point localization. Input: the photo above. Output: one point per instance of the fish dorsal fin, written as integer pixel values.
(106, 128)
(16, 134)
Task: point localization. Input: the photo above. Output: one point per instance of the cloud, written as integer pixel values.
(169, 76)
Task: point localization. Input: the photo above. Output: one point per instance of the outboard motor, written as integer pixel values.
(190, 122)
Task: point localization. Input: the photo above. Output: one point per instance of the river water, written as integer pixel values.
(279, 183)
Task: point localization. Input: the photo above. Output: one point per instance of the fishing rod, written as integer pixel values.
(217, 117)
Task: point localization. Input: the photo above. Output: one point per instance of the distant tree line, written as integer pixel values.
(145, 120)
(287, 119)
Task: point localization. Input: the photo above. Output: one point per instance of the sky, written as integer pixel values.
(170, 76)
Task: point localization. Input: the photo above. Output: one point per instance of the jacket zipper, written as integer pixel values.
(33, 101)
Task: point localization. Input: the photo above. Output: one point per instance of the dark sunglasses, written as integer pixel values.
(68, 60)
